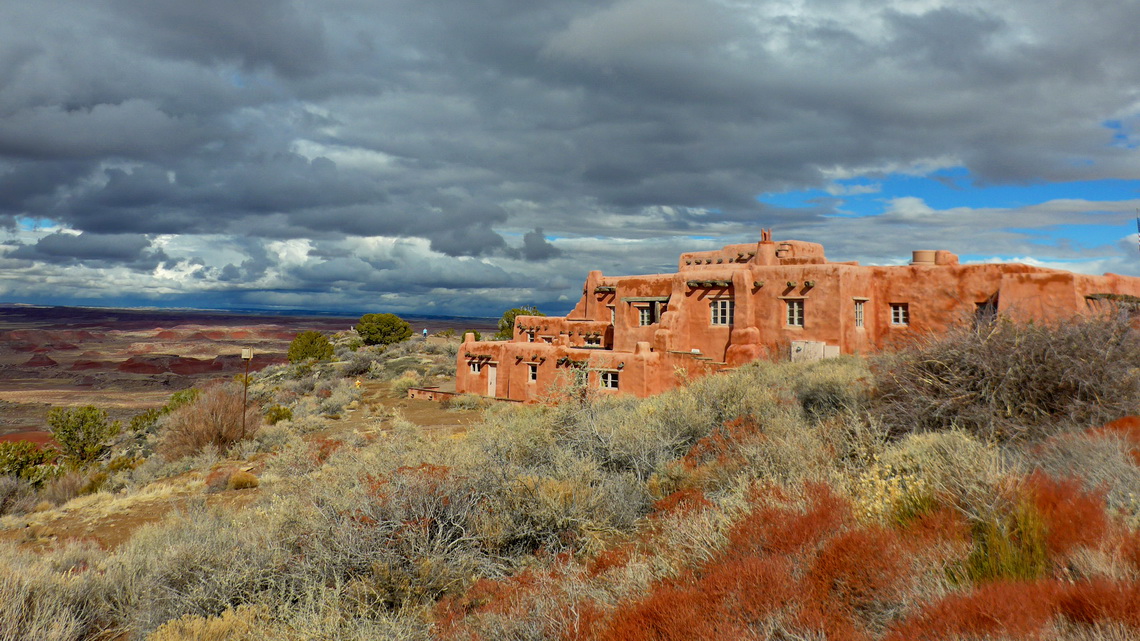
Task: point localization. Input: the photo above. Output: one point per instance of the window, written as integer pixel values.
(610, 380)
(900, 314)
(532, 373)
(796, 312)
(530, 337)
(859, 313)
(594, 341)
(722, 310)
(475, 367)
(613, 315)
(986, 312)
(645, 315)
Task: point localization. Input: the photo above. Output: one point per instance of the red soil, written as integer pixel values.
(40, 360)
(37, 437)
(79, 366)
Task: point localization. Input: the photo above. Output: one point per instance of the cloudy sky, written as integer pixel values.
(462, 157)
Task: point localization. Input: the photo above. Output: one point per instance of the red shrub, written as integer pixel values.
(1072, 516)
(322, 448)
(615, 557)
(1018, 610)
(943, 524)
(811, 569)
(684, 501)
(781, 530)
(723, 443)
(852, 572)
(1130, 549)
(1127, 428)
(1015, 610)
(1100, 601)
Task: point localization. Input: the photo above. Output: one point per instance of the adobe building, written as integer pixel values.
(643, 335)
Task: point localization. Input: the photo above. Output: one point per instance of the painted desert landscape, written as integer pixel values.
(128, 360)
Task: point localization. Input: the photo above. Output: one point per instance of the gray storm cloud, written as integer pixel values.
(476, 131)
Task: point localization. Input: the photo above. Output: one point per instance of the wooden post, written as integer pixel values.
(247, 356)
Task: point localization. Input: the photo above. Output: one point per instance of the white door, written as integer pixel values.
(492, 378)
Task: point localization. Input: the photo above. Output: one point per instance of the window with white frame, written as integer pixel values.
(475, 367)
(859, 313)
(795, 312)
(613, 315)
(530, 337)
(900, 314)
(722, 310)
(532, 372)
(609, 380)
(594, 341)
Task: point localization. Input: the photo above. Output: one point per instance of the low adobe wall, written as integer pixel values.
(430, 394)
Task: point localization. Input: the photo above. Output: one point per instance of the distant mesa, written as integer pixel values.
(41, 360)
(167, 335)
(187, 366)
(83, 365)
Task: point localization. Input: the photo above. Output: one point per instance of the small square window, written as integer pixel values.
(594, 341)
(900, 314)
(722, 311)
(645, 316)
(476, 367)
(530, 337)
(796, 312)
(859, 313)
(532, 373)
(609, 380)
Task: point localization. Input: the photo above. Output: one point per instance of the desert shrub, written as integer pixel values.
(383, 329)
(507, 322)
(277, 413)
(466, 402)
(1044, 521)
(49, 598)
(16, 495)
(920, 468)
(1007, 546)
(25, 460)
(83, 433)
(244, 623)
(405, 382)
(214, 418)
(310, 346)
(66, 486)
(1008, 381)
(405, 537)
(830, 386)
(145, 421)
(336, 396)
(1100, 460)
(197, 563)
(359, 363)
